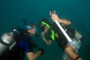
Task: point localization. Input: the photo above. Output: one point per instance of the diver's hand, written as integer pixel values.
(54, 17)
(43, 34)
(41, 50)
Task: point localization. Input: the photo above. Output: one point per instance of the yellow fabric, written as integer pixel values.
(77, 35)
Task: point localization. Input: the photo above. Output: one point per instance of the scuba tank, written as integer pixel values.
(9, 40)
(6, 43)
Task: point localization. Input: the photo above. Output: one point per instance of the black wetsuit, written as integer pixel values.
(70, 31)
(61, 39)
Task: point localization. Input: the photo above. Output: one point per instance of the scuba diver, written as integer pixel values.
(45, 26)
(14, 45)
(70, 48)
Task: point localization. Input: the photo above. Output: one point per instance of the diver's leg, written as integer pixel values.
(71, 53)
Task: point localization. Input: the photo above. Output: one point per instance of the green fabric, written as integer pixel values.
(45, 24)
(52, 36)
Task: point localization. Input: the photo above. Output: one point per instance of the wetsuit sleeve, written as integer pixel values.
(26, 44)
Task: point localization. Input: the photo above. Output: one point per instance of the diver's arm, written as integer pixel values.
(48, 42)
(33, 56)
(63, 21)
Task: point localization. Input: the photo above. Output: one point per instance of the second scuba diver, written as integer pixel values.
(71, 49)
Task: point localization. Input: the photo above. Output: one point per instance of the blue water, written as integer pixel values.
(12, 13)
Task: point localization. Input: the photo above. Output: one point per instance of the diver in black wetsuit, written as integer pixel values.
(23, 44)
(71, 48)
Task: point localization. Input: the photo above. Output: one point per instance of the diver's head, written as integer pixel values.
(44, 23)
(31, 28)
(41, 22)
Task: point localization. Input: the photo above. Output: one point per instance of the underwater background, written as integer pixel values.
(12, 13)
